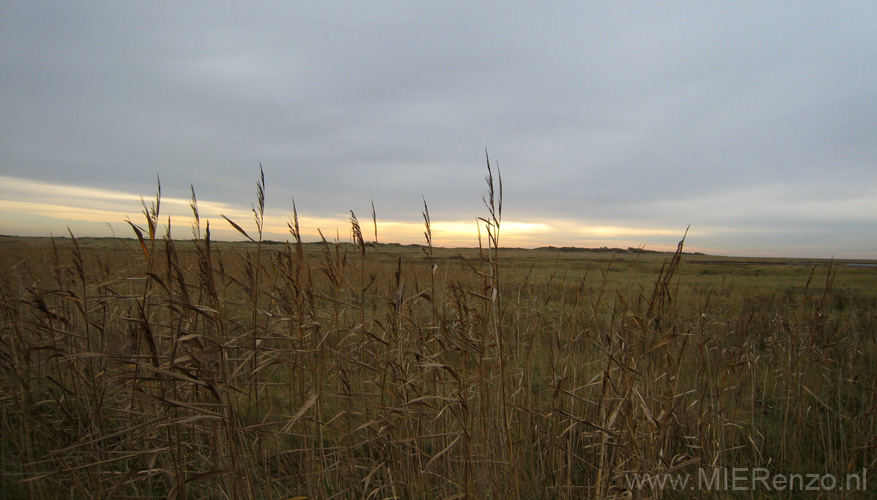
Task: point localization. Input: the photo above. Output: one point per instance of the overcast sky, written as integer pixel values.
(614, 123)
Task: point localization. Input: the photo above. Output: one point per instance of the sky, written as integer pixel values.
(613, 124)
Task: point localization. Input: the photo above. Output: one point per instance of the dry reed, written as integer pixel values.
(191, 369)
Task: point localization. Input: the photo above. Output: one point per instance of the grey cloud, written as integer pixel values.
(611, 112)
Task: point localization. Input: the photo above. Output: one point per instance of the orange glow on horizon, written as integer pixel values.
(28, 206)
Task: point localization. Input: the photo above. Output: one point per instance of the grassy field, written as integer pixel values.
(155, 368)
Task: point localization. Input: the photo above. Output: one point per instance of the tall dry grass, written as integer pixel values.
(349, 369)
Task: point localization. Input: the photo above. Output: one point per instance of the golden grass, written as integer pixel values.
(192, 369)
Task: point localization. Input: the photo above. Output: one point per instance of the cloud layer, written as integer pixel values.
(753, 122)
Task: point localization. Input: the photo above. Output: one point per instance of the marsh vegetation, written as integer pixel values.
(155, 367)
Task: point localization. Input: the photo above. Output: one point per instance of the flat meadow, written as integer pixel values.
(157, 367)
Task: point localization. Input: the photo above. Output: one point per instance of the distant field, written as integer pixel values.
(199, 369)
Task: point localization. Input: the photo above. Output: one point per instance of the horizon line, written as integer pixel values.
(549, 247)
